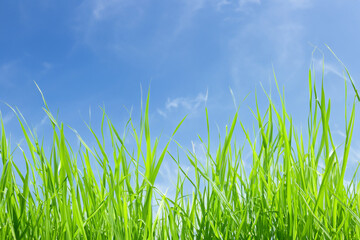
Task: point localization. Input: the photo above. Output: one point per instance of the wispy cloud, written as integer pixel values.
(239, 6)
(187, 103)
(7, 118)
(299, 4)
(289, 41)
(272, 36)
(169, 174)
(341, 133)
(221, 3)
(289, 4)
(354, 156)
(329, 68)
(105, 18)
(102, 9)
(199, 151)
(190, 105)
(245, 2)
(46, 67)
(41, 123)
(8, 71)
(190, 9)
(162, 113)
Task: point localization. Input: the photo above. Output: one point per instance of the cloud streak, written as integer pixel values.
(102, 9)
(41, 123)
(329, 68)
(7, 73)
(271, 37)
(7, 118)
(190, 105)
(245, 2)
(187, 103)
(299, 4)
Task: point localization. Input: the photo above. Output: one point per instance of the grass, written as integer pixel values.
(285, 196)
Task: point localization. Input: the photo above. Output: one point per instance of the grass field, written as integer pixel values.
(287, 195)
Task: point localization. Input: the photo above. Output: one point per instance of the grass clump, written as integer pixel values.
(285, 196)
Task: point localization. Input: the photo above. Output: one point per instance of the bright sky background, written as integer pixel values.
(86, 54)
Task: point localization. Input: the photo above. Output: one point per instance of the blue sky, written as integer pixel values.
(86, 54)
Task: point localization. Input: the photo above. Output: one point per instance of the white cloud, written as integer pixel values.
(222, 3)
(271, 37)
(7, 118)
(162, 113)
(99, 8)
(341, 133)
(6, 67)
(41, 123)
(194, 5)
(190, 105)
(288, 42)
(100, 24)
(199, 151)
(321, 166)
(169, 173)
(299, 4)
(7, 73)
(245, 2)
(293, 4)
(47, 65)
(191, 8)
(354, 155)
(243, 6)
(102, 9)
(167, 183)
(329, 68)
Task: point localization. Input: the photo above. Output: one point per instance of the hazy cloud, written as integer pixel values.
(199, 151)
(190, 105)
(7, 73)
(341, 133)
(187, 103)
(41, 123)
(329, 68)
(299, 4)
(272, 36)
(102, 9)
(162, 113)
(245, 2)
(105, 18)
(8, 117)
(190, 9)
(47, 65)
(354, 155)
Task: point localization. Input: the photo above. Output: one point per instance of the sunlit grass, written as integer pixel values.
(285, 195)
